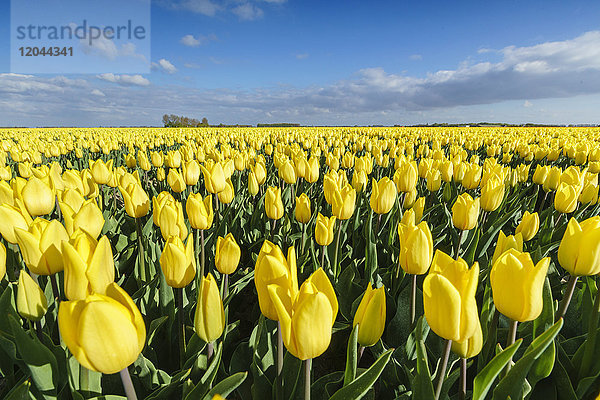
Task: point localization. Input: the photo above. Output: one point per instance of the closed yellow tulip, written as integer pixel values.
(517, 285)
(465, 212)
(214, 177)
(178, 262)
(101, 172)
(38, 197)
(199, 211)
(273, 203)
(449, 297)
(579, 250)
(104, 332)
(171, 220)
(158, 202)
(227, 194)
(359, 181)
(565, 199)
(343, 202)
(160, 174)
(88, 218)
(41, 246)
(507, 242)
(273, 268)
(370, 316)
(540, 174)
(303, 213)
(260, 172)
(137, 203)
(307, 319)
(552, 179)
(252, 184)
(312, 173)
(529, 225)
(157, 159)
(416, 247)
(589, 194)
(434, 180)
(492, 194)
(227, 254)
(88, 264)
(406, 177)
(287, 172)
(31, 300)
(12, 217)
(130, 160)
(175, 180)
(383, 195)
(209, 319)
(191, 172)
(324, 228)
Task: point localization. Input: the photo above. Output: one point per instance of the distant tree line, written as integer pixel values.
(278, 125)
(177, 121)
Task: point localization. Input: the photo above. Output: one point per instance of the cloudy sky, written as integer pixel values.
(333, 62)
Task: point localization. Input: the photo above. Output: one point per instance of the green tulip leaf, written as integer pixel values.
(200, 390)
(422, 386)
(227, 385)
(351, 357)
(361, 385)
(484, 379)
(514, 382)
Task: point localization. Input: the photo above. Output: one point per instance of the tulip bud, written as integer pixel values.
(589, 194)
(38, 197)
(540, 174)
(130, 160)
(383, 195)
(465, 212)
(492, 194)
(172, 221)
(88, 218)
(89, 265)
(324, 229)
(406, 177)
(209, 319)
(312, 173)
(359, 181)
(40, 246)
(370, 316)
(252, 184)
(105, 333)
(137, 203)
(287, 173)
(505, 243)
(472, 176)
(272, 268)
(418, 208)
(303, 209)
(517, 285)
(227, 194)
(434, 180)
(12, 217)
(343, 202)
(416, 247)
(553, 179)
(199, 211)
(227, 255)
(178, 262)
(214, 177)
(31, 301)
(306, 319)
(157, 159)
(449, 297)
(579, 248)
(529, 225)
(565, 199)
(160, 174)
(101, 172)
(273, 203)
(260, 172)
(175, 180)
(191, 172)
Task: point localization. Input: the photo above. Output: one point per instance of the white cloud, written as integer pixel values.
(205, 7)
(192, 41)
(302, 56)
(106, 48)
(165, 66)
(97, 92)
(247, 12)
(415, 57)
(192, 65)
(124, 80)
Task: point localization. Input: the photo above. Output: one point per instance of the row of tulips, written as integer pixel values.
(419, 208)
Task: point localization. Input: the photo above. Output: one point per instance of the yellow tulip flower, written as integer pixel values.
(227, 194)
(227, 254)
(416, 247)
(324, 228)
(565, 199)
(40, 246)
(31, 300)
(38, 197)
(579, 250)
(209, 319)
(273, 203)
(465, 212)
(383, 195)
(370, 316)
(303, 213)
(214, 177)
(178, 262)
(529, 225)
(492, 194)
(199, 211)
(343, 202)
(507, 242)
(175, 180)
(137, 203)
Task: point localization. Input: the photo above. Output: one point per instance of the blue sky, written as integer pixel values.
(334, 62)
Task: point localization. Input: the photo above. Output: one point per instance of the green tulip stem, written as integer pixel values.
(180, 317)
(590, 343)
(512, 337)
(127, 384)
(273, 225)
(141, 262)
(445, 357)
(564, 304)
(462, 392)
(53, 281)
(225, 286)
(114, 196)
(378, 224)
(38, 330)
(84, 379)
(457, 247)
(361, 350)
(322, 258)
(337, 248)
(307, 365)
(201, 253)
(413, 300)
(303, 238)
(216, 212)
(210, 349)
(279, 349)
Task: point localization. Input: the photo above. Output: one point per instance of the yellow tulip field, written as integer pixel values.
(297, 263)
